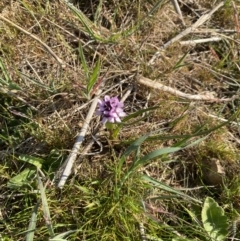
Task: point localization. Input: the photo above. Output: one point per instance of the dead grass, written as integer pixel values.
(40, 99)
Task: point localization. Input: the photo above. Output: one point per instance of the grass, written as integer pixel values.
(169, 172)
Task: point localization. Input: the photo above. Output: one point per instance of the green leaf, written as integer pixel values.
(179, 63)
(36, 161)
(156, 153)
(135, 145)
(23, 178)
(214, 220)
(94, 77)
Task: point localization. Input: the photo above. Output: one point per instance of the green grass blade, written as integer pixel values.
(156, 153)
(32, 13)
(83, 61)
(32, 224)
(179, 63)
(98, 12)
(196, 133)
(61, 236)
(7, 81)
(94, 77)
(45, 207)
(4, 71)
(85, 21)
(135, 145)
(167, 188)
(133, 115)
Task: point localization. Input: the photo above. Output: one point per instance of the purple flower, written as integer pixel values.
(111, 109)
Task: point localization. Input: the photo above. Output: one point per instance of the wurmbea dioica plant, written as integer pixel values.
(111, 109)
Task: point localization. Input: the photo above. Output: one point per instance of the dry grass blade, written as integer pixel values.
(178, 10)
(155, 85)
(199, 22)
(35, 38)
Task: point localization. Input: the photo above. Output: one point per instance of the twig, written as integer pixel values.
(178, 10)
(199, 22)
(156, 85)
(73, 155)
(200, 41)
(34, 37)
(214, 31)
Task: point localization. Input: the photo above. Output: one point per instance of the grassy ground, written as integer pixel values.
(170, 171)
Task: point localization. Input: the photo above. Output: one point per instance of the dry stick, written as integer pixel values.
(178, 10)
(198, 41)
(34, 37)
(73, 155)
(214, 31)
(199, 22)
(156, 85)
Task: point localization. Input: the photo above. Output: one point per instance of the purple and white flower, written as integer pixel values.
(111, 109)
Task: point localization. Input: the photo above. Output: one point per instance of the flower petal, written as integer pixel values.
(107, 98)
(118, 119)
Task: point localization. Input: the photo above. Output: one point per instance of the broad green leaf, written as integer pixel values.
(156, 153)
(23, 178)
(167, 188)
(32, 224)
(36, 161)
(214, 220)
